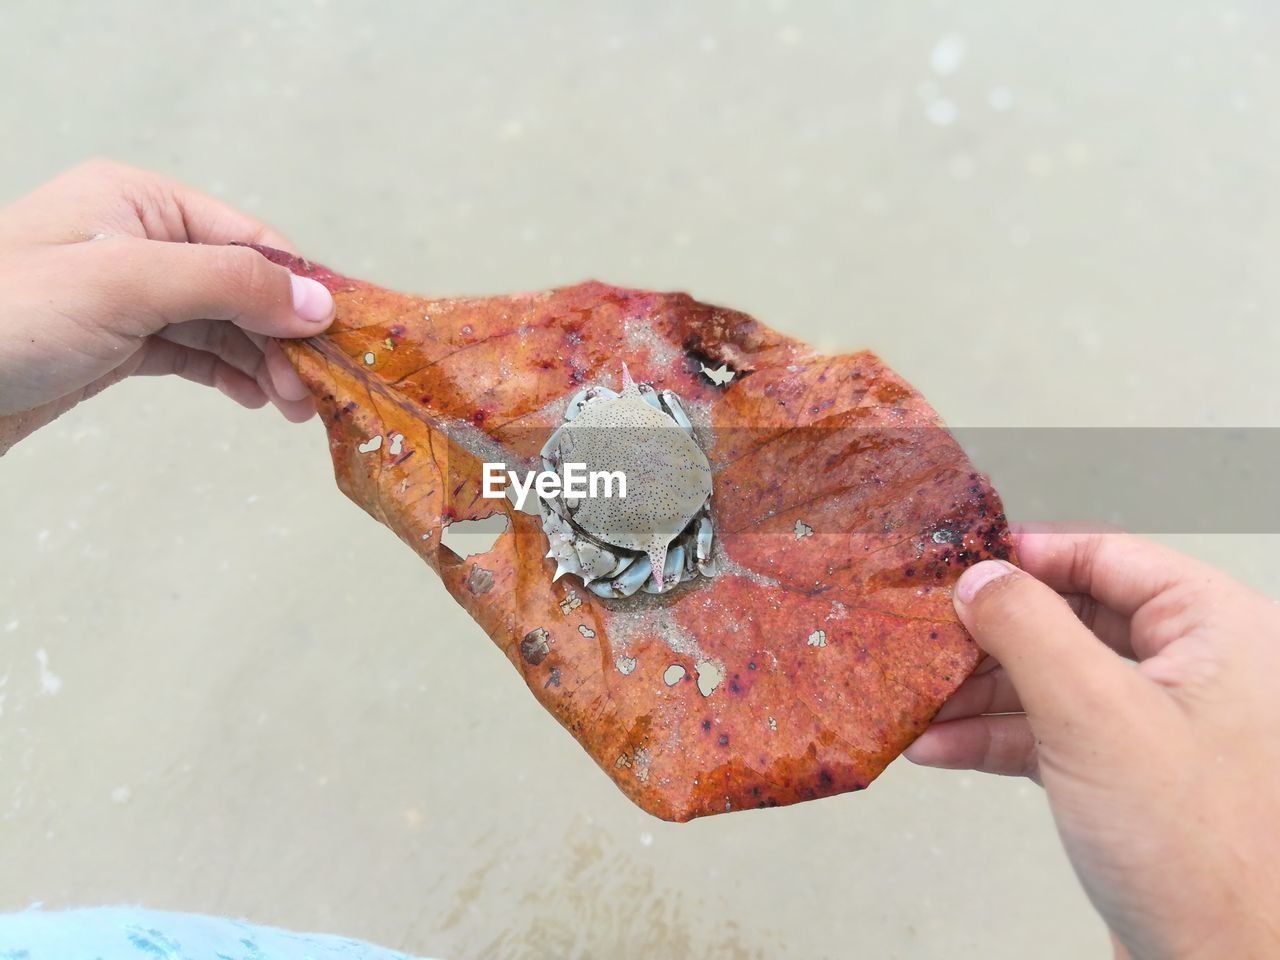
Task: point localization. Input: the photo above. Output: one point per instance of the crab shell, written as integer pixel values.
(659, 533)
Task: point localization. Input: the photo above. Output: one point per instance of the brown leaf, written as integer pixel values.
(844, 514)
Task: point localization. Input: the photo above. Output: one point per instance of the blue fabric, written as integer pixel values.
(124, 933)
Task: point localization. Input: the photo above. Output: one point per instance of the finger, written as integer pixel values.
(285, 379)
(102, 196)
(1065, 676)
(295, 411)
(162, 357)
(223, 340)
(171, 210)
(1119, 570)
(1104, 623)
(242, 351)
(988, 692)
(153, 283)
(1003, 745)
(208, 220)
(243, 390)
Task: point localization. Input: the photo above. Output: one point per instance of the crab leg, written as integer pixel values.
(633, 578)
(706, 565)
(675, 411)
(703, 538)
(650, 396)
(603, 588)
(624, 561)
(626, 583)
(595, 562)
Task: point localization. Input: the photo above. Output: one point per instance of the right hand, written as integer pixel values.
(1164, 777)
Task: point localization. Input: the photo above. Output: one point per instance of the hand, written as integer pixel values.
(1164, 776)
(109, 272)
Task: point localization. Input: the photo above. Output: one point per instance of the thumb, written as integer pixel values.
(156, 283)
(1064, 675)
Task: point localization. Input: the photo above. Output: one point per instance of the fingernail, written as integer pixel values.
(311, 301)
(978, 576)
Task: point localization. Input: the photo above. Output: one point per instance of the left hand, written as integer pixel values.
(109, 272)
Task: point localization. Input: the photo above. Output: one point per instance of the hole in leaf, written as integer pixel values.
(468, 538)
(720, 375)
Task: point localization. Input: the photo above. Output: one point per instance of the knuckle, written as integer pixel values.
(116, 263)
(252, 277)
(1006, 747)
(1084, 557)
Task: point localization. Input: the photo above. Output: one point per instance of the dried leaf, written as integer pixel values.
(844, 513)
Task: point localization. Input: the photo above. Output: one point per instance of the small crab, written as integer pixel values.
(660, 532)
